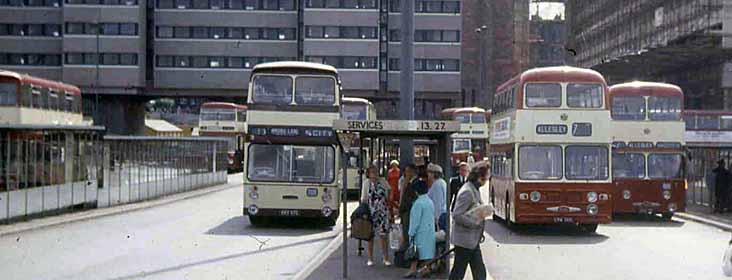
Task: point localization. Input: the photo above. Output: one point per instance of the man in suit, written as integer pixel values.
(457, 182)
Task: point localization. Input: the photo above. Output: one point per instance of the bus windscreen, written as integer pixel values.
(291, 164)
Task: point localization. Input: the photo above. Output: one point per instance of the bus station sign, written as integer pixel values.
(396, 126)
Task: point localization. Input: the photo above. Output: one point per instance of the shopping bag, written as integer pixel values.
(395, 236)
(727, 261)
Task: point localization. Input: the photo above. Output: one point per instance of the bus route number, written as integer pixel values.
(432, 126)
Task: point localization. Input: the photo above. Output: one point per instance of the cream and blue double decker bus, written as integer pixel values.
(291, 153)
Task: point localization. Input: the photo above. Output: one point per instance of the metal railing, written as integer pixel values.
(699, 174)
(50, 169)
(140, 168)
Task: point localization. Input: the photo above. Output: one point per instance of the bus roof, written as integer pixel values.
(556, 74)
(223, 105)
(356, 100)
(645, 88)
(458, 110)
(296, 65)
(28, 79)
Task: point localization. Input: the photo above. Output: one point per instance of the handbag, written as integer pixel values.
(411, 253)
(394, 236)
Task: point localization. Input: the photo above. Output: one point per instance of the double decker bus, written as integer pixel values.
(291, 151)
(708, 139)
(223, 119)
(473, 135)
(550, 149)
(28, 100)
(359, 109)
(648, 155)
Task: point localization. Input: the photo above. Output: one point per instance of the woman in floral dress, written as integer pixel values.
(375, 193)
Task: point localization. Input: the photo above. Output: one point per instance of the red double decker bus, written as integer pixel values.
(648, 155)
(473, 135)
(550, 149)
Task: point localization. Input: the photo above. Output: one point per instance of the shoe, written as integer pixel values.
(387, 263)
(370, 263)
(410, 275)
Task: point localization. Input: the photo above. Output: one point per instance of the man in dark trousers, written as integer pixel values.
(721, 186)
(458, 181)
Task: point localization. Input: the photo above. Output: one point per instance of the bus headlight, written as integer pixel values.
(592, 209)
(604, 196)
(535, 196)
(672, 207)
(666, 195)
(591, 197)
(326, 211)
(626, 194)
(252, 209)
(523, 196)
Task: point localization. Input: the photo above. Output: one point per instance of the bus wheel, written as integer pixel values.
(588, 228)
(256, 221)
(667, 216)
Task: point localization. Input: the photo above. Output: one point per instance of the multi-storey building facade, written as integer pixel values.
(684, 42)
(548, 38)
(133, 50)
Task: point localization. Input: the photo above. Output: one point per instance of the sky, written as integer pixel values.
(547, 10)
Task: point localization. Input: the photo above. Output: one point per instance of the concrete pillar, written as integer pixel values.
(120, 114)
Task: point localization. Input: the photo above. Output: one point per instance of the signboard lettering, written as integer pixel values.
(502, 128)
(551, 129)
(320, 132)
(397, 126)
(640, 145)
(668, 145)
(370, 125)
(582, 129)
(619, 144)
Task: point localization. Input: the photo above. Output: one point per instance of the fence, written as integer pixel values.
(139, 168)
(699, 173)
(48, 169)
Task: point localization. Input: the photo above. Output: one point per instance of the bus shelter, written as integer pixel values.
(378, 132)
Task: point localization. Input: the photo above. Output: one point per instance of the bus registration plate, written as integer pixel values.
(289, 213)
(563, 220)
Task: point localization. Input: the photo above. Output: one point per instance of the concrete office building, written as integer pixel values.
(177, 48)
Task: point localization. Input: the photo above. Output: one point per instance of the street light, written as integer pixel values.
(345, 139)
(481, 46)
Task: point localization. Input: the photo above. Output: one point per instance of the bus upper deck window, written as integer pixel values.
(463, 118)
(584, 95)
(726, 122)
(8, 93)
(315, 90)
(543, 95)
(664, 108)
(478, 118)
(708, 122)
(628, 108)
(690, 122)
(272, 89)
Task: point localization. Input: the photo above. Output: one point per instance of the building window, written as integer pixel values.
(202, 32)
(346, 62)
(165, 32)
(427, 6)
(234, 62)
(425, 35)
(39, 30)
(103, 2)
(343, 32)
(108, 29)
(30, 59)
(341, 4)
(429, 65)
(128, 59)
(30, 3)
(181, 32)
(272, 5)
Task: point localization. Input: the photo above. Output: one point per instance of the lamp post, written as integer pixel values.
(345, 138)
(481, 34)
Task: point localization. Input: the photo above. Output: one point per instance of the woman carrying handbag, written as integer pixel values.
(421, 229)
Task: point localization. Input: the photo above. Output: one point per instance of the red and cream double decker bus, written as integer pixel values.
(648, 155)
(550, 149)
(224, 119)
(473, 135)
(28, 100)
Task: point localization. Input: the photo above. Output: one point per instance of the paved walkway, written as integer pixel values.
(706, 216)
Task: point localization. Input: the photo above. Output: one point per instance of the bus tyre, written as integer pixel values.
(667, 216)
(256, 221)
(588, 228)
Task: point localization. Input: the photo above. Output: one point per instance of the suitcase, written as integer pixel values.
(362, 229)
